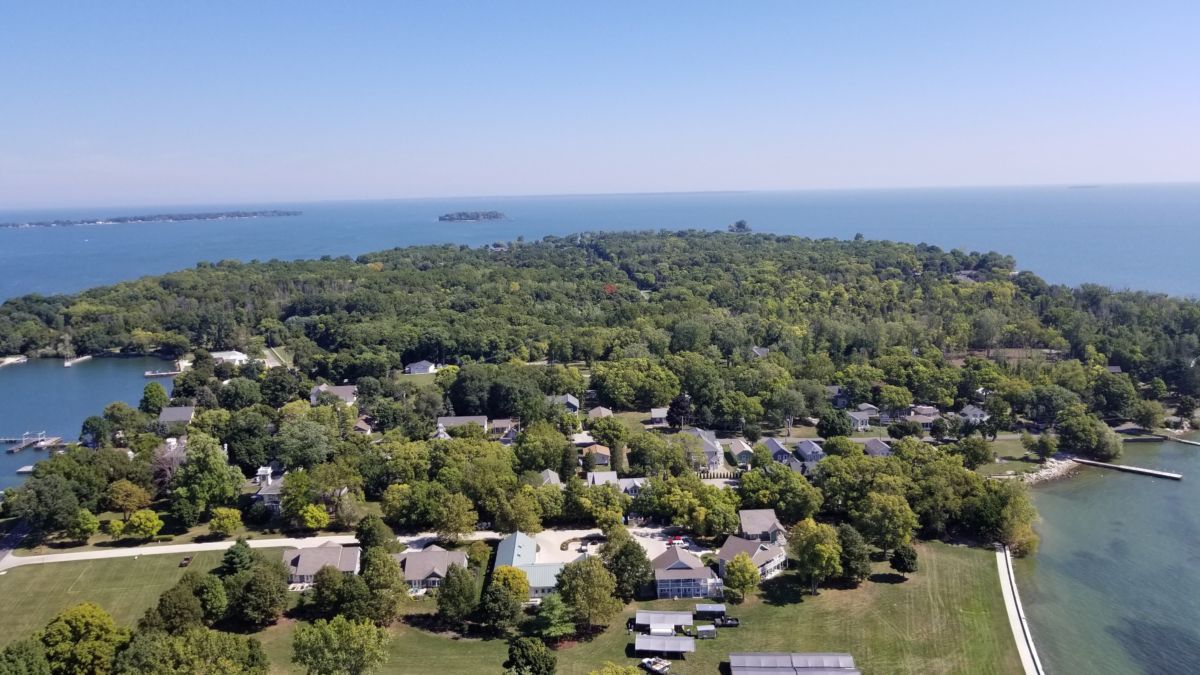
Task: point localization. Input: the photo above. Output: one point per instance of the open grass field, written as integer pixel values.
(947, 618)
(31, 596)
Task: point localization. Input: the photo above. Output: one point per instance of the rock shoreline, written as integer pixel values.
(1054, 469)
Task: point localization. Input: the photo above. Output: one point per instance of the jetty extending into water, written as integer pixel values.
(1130, 469)
(78, 359)
(12, 360)
(38, 441)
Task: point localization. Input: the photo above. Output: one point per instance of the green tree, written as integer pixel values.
(629, 565)
(303, 443)
(590, 591)
(205, 480)
(314, 517)
(45, 503)
(257, 596)
(905, 429)
(741, 575)
(512, 578)
(904, 559)
(84, 526)
(239, 393)
(975, 452)
(237, 558)
(144, 524)
(385, 581)
(554, 619)
(529, 656)
(835, 423)
(1147, 414)
(611, 668)
(457, 598)
(372, 532)
(115, 528)
(225, 521)
(154, 399)
(500, 607)
(82, 639)
(24, 657)
(775, 485)
(340, 646)
(885, 519)
(198, 651)
(816, 550)
(856, 555)
(455, 517)
(127, 497)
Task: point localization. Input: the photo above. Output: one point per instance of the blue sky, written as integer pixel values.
(161, 103)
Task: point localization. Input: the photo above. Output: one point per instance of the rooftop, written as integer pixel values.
(308, 561)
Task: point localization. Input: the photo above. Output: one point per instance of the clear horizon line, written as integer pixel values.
(548, 195)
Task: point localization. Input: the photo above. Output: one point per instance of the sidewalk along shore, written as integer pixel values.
(1016, 614)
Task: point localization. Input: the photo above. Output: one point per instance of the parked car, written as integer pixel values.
(186, 561)
(656, 665)
(726, 622)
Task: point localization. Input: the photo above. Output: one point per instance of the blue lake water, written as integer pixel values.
(1141, 237)
(42, 395)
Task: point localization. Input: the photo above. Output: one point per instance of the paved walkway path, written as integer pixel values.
(1016, 615)
(11, 561)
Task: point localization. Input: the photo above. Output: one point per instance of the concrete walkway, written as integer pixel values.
(1016, 615)
(11, 561)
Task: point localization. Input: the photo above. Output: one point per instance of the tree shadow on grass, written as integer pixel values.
(782, 590)
(887, 578)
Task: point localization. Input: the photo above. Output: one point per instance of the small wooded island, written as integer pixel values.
(459, 216)
(156, 218)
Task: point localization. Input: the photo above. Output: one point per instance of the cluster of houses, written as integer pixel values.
(866, 415)
(801, 457)
(679, 573)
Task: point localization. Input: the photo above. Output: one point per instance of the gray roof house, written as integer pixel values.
(462, 421)
(680, 574)
(713, 452)
(427, 567)
(519, 550)
(779, 451)
(741, 451)
(599, 412)
(974, 414)
(550, 477)
(182, 414)
(876, 447)
(769, 558)
(837, 395)
(759, 352)
(781, 663)
(809, 453)
(602, 478)
(600, 454)
(760, 524)
(235, 357)
(567, 401)
(348, 393)
(420, 368)
(860, 420)
(867, 407)
(658, 415)
(304, 563)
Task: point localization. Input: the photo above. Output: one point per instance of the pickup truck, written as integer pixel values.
(726, 622)
(657, 665)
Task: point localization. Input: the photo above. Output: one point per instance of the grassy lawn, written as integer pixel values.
(33, 595)
(947, 618)
(1010, 456)
(419, 380)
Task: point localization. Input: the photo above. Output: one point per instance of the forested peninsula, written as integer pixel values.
(155, 218)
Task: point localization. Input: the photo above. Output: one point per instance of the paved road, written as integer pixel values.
(10, 561)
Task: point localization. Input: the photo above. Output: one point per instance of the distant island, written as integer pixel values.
(471, 215)
(156, 218)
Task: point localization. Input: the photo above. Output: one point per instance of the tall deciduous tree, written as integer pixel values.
(590, 591)
(856, 555)
(529, 656)
(741, 575)
(816, 550)
(457, 598)
(340, 647)
(154, 399)
(83, 639)
(885, 519)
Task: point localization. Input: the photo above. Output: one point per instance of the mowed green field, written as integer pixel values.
(31, 596)
(947, 618)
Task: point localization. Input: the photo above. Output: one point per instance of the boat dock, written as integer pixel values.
(12, 360)
(36, 441)
(1179, 440)
(25, 470)
(78, 359)
(1130, 469)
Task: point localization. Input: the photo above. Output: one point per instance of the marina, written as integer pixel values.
(39, 441)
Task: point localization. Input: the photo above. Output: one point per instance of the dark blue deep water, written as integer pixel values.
(1143, 237)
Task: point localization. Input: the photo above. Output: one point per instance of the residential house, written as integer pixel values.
(780, 663)
(759, 352)
(519, 550)
(182, 414)
(550, 477)
(876, 447)
(925, 421)
(270, 493)
(974, 414)
(860, 420)
(779, 452)
(362, 425)
(304, 563)
(713, 459)
(678, 573)
(601, 454)
(770, 559)
(761, 524)
(346, 393)
(658, 415)
(868, 408)
(629, 486)
(421, 368)
(234, 357)
(582, 439)
(567, 401)
(462, 421)
(741, 451)
(927, 410)
(837, 395)
(599, 412)
(509, 437)
(427, 567)
(809, 453)
(1115, 370)
(498, 428)
(441, 434)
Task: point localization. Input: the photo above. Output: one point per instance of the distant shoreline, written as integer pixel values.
(155, 218)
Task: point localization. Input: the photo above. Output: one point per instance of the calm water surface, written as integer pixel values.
(42, 395)
(1140, 237)
(1115, 585)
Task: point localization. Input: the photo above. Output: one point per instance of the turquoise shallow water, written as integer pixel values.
(1115, 585)
(1124, 236)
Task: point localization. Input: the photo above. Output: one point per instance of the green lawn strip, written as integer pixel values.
(947, 618)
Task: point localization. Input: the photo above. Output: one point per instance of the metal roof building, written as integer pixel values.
(664, 645)
(646, 618)
(782, 663)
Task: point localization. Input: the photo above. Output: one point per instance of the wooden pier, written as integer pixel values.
(36, 441)
(79, 359)
(1130, 469)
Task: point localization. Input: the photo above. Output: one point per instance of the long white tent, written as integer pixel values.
(664, 645)
(664, 618)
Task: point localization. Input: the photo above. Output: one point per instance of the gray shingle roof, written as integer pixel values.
(431, 561)
(177, 414)
(759, 521)
(308, 561)
(760, 552)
